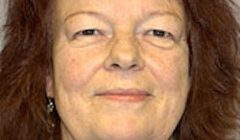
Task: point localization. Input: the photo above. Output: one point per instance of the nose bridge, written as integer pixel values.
(124, 54)
(124, 47)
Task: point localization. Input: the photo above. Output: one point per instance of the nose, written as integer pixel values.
(124, 56)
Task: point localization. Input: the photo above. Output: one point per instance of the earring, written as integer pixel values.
(50, 105)
(50, 110)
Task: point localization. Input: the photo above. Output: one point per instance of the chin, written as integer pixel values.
(125, 131)
(119, 135)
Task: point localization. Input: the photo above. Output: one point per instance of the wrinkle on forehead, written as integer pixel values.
(118, 9)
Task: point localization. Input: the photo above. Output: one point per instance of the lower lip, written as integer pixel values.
(126, 98)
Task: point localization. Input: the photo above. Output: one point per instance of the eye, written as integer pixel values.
(87, 32)
(159, 33)
(159, 38)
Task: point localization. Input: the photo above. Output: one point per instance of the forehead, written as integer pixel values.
(119, 8)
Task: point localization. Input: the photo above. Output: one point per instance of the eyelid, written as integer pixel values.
(77, 22)
(81, 32)
(166, 34)
(167, 23)
(151, 32)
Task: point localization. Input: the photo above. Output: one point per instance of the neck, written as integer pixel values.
(65, 133)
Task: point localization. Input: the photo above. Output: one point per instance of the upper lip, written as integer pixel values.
(124, 92)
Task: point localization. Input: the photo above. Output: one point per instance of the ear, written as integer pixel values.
(49, 87)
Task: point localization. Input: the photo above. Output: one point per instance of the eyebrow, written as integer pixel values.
(157, 13)
(91, 13)
(104, 18)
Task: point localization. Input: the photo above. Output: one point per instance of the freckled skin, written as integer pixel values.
(84, 66)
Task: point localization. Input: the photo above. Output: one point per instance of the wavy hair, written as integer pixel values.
(26, 60)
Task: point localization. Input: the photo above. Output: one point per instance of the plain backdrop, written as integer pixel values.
(3, 6)
(2, 19)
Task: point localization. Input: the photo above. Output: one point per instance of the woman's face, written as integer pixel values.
(120, 68)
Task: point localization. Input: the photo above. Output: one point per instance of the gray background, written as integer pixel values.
(3, 12)
(2, 19)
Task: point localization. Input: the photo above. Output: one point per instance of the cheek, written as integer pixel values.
(74, 72)
(170, 70)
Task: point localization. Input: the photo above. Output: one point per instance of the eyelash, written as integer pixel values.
(87, 32)
(95, 32)
(159, 33)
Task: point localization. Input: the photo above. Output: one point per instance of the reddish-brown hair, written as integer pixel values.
(211, 111)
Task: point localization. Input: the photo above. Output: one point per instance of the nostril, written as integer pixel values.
(115, 66)
(124, 65)
(133, 66)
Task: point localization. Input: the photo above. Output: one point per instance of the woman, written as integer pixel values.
(119, 70)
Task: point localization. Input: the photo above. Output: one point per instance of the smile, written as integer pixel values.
(124, 95)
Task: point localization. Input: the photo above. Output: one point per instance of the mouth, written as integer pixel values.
(124, 95)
